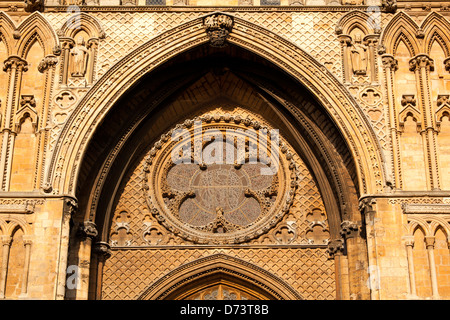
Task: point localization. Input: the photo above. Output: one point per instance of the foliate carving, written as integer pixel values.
(349, 229)
(219, 201)
(47, 62)
(87, 229)
(102, 249)
(447, 64)
(218, 27)
(34, 5)
(16, 63)
(389, 6)
(70, 207)
(389, 62)
(335, 247)
(421, 61)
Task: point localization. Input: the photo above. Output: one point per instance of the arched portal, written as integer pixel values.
(177, 78)
(219, 277)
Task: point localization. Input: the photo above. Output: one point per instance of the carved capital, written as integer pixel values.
(389, 62)
(47, 62)
(70, 207)
(335, 247)
(102, 249)
(218, 27)
(87, 229)
(349, 229)
(92, 43)
(429, 241)
(371, 39)
(367, 204)
(6, 240)
(409, 241)
(447, 64)
(67, 43)
(345, 40)
(421, 61)
(15, 62)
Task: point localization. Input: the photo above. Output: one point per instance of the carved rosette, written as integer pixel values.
(218, 27)
(219, 202)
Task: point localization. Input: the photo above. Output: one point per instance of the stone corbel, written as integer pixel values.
(349, 229)
(218, 26)
(87, 229)
(335, 247)
(70, 207)
(34, 5)
(447, 64)
(102, 249)
(389, 6)
(47, 62)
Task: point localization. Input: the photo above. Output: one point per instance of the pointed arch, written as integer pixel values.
(36, 28)
(436, 28)
(400, 28)
(221, 265)
(7, 28)
(359, 19)
(82, 21)
(8, 225)
(341, 106)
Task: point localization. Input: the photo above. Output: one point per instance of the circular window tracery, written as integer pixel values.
(219, 179)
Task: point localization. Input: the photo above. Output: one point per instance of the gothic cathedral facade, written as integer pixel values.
(225, 149)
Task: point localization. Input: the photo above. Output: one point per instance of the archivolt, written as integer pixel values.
(223, 264)
(341, 106)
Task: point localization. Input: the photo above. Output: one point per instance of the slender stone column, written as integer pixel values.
(15, 66)
(367, 208)
(336, 252)
(390, 65)
(372, 42)
(430, 241)
(26, 268)
(345, 41)
(70, 206)
(87, 232)
(357, 269)
(422, 64)
(409, 242)
(6, 245)
(103, 251)
(92, 45)
(66, 45)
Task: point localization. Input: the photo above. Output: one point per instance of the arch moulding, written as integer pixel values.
(222, 264)
(72, 143)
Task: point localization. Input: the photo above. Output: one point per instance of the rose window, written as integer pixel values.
(238, 188)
